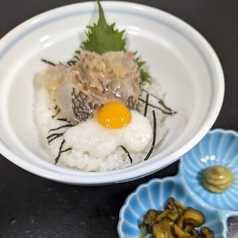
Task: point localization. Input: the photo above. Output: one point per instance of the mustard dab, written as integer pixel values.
(217, 179)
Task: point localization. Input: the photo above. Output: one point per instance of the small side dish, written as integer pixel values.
(174, 206)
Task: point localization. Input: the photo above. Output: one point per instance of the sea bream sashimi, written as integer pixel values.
(92, 82)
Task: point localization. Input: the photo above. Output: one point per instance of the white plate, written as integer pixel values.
(177, 55)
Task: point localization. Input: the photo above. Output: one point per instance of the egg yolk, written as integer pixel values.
(114, 115)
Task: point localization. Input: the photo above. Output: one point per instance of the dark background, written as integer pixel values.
(31, 206)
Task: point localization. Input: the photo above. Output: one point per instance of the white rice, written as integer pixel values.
(45, 109)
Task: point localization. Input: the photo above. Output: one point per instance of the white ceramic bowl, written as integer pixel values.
(177, 55)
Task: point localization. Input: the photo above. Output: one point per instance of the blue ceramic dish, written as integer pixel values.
(218, 147)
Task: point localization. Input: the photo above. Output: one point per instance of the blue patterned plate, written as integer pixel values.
(217, 147)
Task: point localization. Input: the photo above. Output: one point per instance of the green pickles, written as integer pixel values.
(176, 220)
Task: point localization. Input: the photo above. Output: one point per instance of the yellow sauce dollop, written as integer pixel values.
(217, 179)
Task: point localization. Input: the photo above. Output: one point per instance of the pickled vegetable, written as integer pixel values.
(176, 220)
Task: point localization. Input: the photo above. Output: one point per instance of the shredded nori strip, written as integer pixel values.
(164, 109)
(63, 119)
(61, 151)
(54, 136)
(57, 112)
(127, 153)
(154, 138)
(48, 62)
(61, 127)
(146, 104)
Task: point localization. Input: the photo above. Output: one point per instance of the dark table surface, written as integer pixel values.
(31, 206)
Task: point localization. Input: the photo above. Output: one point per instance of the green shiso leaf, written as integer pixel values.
(102, 38)
(145, 76)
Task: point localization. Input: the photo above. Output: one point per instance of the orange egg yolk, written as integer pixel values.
(114, 115)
